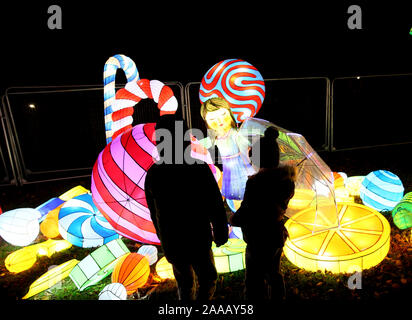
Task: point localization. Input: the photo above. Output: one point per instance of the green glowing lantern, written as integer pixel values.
(231, 256)
(98, 264)
(402, 213)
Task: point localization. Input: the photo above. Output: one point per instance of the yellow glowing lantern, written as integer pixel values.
(73, 192)
(51, 277)
(353, 185)
(164, 269)
(25, 258)
(361, 240)
(301, 199)
(338, 180)
(342, 195)
(21, 259)
(231, 256)
(50, 225)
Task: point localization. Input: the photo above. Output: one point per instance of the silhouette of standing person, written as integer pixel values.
(185, 203)
(265, 201)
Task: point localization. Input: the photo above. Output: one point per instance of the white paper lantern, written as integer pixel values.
(113, 291)
(20, 227)
(150, 252)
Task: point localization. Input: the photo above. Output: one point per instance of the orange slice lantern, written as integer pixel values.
(361, 240)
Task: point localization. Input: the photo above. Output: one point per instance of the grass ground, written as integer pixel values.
(390, 281)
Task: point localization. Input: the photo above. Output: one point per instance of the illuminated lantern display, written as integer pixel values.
(231, 256)
(119, 173)
(49, 206)
(132, 270)
(342, 195)
(338, 179)
(50, 225)
(98, 264)
(301, 199)
(233, 204)
(81, 223)
(123, 62)
(113, 291)
(361, 240)
(164, 269)
(381, 190)
(51, 277)
(150, 252)
(73, 192)
(118, 183)
(314, 180)
(236, 233)
(25, 258)
(353, 185)
(239, 83)
(20, 227)
(21, 259)
(402, 213)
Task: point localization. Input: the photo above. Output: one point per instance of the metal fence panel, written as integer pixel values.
(57, 133)
(371, 111)
(297, 104)
(8, 174)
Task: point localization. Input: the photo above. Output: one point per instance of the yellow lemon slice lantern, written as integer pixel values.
(360, 241)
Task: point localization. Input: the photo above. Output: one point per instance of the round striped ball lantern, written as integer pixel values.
(239, 83)
(381, 190)
(402, 213)
(150, 252)
(132, 270)
(81, 223)
(20, 227)
(113, 291)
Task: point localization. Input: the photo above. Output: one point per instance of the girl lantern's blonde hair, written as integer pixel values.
(214, 104)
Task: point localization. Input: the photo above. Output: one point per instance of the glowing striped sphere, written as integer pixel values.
(381, 190)
(118, 179)
(402, 213)
(150, 252)
(81, 223)
(238, 82)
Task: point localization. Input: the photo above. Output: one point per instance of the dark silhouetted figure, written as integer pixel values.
(188, 213)
(260, 215)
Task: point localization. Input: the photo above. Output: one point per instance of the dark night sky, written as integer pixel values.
(180, 42)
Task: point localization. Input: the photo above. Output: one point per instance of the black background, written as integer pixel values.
(177, 41)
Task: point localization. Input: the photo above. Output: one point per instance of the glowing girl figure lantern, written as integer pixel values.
(119, 173)
(237, 90)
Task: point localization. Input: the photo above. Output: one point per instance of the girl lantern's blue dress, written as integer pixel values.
(233, 149)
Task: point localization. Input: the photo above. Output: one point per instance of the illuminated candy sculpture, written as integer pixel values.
(361, 240)
(132, 270)
(25, 258)
(402, 213)
(381, 190)
(238, 82)
(119, 173)
(98, 264)
(83, 225)
(20, 227)
(51, 277)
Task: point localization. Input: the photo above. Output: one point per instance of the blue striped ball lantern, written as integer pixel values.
(82, 224)
(381, 190)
